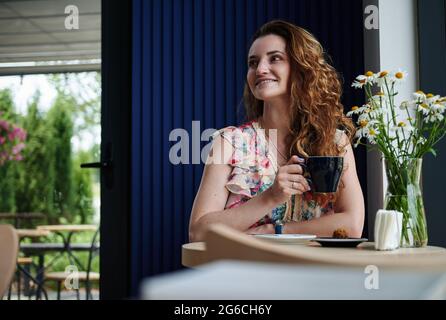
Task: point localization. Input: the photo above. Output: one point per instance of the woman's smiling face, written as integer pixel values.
(268, 68)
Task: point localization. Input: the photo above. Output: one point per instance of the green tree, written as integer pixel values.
(85, 89)
(49, 179)
(82, 92)
(8, 171)
(37, 176)
(61, 129)
(6, 105)
(82, 187)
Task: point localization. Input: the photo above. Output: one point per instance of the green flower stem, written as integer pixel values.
(390, 94)
(433, 139)
(402, 151)
(368, 90)
(407, 198)
(412, 135)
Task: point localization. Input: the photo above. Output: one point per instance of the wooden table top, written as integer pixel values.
(194, 254)
(69, 227)
(32, 233)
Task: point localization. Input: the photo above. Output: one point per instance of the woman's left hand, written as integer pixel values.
(263, 229)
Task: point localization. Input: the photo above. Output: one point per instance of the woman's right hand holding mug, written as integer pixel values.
(289, 181)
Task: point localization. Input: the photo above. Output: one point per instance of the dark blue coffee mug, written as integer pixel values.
(323, 173)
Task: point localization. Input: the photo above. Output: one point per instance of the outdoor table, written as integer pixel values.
(29, 233)
(66, 232)
(19, 216)
(32, 233)
(430, 257)
(39, 249)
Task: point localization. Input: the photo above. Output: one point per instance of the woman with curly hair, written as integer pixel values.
(251, 183)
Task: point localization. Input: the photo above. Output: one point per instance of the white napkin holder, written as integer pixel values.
(388, 226)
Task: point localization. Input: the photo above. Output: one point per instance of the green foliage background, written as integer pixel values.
(49, 179)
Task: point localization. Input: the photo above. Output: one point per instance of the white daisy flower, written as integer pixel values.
(419, 95)
(381, 78)
(367, 130)
(424, 108)
(372, 134)
(376, 112)
(441, 102)
(361, 133)
(430, 98)
(409, 105)
(357, 110)
(365, 123)
(399, 76)
(358, 84)
(434, 117)
(369, 114)
(362, 80)
(404, 127)
(365, 116)
(438, 107)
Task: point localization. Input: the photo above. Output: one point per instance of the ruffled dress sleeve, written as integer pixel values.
(250, 168)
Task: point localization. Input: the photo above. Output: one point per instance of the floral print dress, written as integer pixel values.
(254, 171)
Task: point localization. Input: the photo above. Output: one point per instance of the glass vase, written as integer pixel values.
(404, 195)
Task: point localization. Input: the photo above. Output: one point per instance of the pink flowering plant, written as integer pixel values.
(12, 140)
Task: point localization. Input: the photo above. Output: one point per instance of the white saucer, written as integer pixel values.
(286, 238)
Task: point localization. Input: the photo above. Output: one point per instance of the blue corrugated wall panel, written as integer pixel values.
(189, 64)
(136, 216)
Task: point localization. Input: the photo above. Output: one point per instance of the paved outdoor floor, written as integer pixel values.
(52, 295)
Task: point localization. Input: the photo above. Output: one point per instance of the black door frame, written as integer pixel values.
(116, 147)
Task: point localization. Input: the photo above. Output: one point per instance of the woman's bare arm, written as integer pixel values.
(211, 198)
(349, 206)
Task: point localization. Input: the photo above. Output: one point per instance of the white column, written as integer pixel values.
(398, 48)
(398, 41)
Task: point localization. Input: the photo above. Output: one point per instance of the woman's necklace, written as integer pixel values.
(275, 147)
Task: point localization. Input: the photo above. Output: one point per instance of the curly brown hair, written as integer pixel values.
(316, 110)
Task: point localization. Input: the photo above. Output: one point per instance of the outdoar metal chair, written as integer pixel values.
(86, 276)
